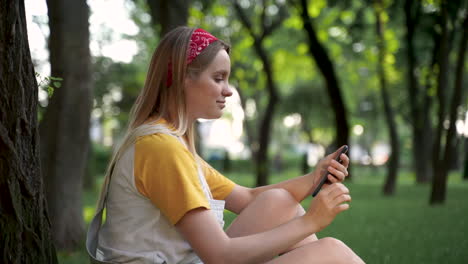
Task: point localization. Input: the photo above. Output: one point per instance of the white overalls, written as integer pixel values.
(135, 231)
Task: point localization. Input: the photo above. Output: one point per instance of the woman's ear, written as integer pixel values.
(189, 80)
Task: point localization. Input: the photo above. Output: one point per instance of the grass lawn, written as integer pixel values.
(400, 229)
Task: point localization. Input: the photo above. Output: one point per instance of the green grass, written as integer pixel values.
(400, 229)
(404, 229)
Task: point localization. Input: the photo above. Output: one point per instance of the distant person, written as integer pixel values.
(164, 204)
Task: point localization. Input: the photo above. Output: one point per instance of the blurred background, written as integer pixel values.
(386, 77)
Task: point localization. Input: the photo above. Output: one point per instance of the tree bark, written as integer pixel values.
(325, 66)
(24, 227)
(419, 112)
(393, 163)
(264, 134)
(89, 178)
(65, 127)
(426, 141)
(439, 184)
(267, 119)
(305, 168)
(168, 14)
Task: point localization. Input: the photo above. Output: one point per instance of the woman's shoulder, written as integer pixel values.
(159, 137)
(159, 142)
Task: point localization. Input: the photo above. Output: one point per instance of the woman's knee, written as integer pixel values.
(340, 250)
(278, 199)
(268, 210)
(333, 243)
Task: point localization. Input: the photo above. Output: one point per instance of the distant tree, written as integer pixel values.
(249, 125)
(267, 26)
(393, 163)
(24, 227)
(305, 99)
(325, 65)
(419, 98)
(168, 14)
(443, 157)
(64, 128)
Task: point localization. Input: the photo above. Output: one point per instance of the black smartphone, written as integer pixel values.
(325, 175)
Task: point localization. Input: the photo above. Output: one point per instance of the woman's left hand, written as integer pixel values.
(337, 171)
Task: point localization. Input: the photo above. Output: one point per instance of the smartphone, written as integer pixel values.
(325, 175)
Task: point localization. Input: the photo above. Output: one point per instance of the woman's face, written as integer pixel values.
(206, 95)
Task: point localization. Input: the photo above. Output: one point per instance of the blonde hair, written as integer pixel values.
(156, 99)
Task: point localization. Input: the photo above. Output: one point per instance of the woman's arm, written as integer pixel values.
(299, 187)
(302, 186)
(210, 242)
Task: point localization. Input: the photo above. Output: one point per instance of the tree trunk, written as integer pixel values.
(264, 134)
(24, 227)
(227, 166)
(168, 14)
(421, 153)
(305, 168)
(440, 180)
(304, 163)
(425, 138)
(65, 127)
(393, 163)
(419, 114)
(325, 66)
(441, 161)
(89, 178)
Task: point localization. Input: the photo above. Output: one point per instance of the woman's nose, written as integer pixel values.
(227, 91)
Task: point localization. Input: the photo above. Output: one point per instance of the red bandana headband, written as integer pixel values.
(199, 40)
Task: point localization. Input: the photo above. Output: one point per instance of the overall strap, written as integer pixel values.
(92, 237)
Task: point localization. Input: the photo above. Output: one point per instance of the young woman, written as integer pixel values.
(164, 204)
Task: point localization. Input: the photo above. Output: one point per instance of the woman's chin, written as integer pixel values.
(214, 115)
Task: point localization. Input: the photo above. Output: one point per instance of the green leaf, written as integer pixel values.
(50, 91)
(294, 22)
(315, 7)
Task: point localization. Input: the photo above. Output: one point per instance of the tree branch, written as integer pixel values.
(263, 17)
(244, 20)
(268, 29)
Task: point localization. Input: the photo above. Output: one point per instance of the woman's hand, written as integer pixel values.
(329, 202)
(337, 171)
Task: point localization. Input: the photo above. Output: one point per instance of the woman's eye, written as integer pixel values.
(218, 79)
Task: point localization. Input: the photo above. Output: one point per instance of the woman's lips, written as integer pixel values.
(221, 104)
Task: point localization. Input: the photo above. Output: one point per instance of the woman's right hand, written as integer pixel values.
(329, 202)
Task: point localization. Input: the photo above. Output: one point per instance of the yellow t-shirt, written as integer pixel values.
(166, 173)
